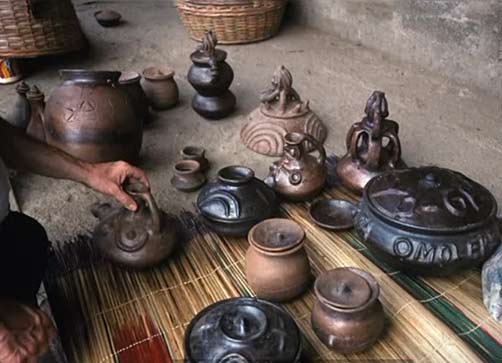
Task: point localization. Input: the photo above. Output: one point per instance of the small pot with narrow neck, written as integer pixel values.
(196, 153)
(160, 88)
(130, 82)
(277, 265)
(347, 315)
(188, 176)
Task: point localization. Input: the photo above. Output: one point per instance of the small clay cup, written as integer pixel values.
(188, 176)
(107, 18)
(347, 315)
(160, 88)
(277, 265)
(196, 153)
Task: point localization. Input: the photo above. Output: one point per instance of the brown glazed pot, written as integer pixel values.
(91, 117)
(298, 175)
(373, 146)
(281, 111)
(277, 265)
(188, 176)
(130, 82)
(138, 239)
(196, 153)
(347, 315)
(160, 88)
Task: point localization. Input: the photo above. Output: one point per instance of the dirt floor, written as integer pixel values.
(442, 122)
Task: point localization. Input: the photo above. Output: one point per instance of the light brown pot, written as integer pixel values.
(277, 265)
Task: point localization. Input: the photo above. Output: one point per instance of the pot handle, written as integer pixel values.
(395, 146)
(139, 191)
(318, 146)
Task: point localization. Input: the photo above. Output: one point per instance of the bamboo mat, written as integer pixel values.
(106, 314)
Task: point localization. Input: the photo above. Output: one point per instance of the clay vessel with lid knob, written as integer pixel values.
(160, 88)
(347, 315)
(277, 265)
(211, 76)
(282, 111)
(130, 82)
(243, 330)
(298, 175)
(236, 201)
(135, 240)
(373, 146)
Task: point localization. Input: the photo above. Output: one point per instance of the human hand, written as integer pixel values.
(25, 332)
(109, 178)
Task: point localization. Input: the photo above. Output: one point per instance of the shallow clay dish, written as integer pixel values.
(107, 18)
(334, 214)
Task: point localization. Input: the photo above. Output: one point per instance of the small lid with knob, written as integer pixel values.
(242, 330)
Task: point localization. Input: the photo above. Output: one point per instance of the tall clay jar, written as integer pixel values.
(347, 315)
(277, 265)
(160, 88)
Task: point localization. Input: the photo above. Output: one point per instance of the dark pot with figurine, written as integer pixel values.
(211, 76)
(92, 118)
(135, 240)
(298, 175)
(236, 201)
(243, 330)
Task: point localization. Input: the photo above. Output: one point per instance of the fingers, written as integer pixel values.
(9, 350)
(125, 199)
(138, 174)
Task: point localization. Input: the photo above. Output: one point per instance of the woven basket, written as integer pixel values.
(233, 21)
(30, 28)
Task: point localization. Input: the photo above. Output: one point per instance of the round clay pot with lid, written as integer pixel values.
(347, 315)
(130, 82)
(188, 176)
(160, 88)
(243, 330)
(277, 265)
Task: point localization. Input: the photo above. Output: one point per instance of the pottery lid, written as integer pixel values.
(276, 235)
(431, 199)
(242, 330)
(346, 288)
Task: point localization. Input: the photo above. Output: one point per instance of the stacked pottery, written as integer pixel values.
(347, 315)
(277, 265)
(281, 112)
(211, 77)
(160, 88)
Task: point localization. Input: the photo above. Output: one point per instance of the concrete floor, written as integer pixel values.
(442, 122)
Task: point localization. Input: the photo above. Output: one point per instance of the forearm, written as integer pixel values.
(21, 152)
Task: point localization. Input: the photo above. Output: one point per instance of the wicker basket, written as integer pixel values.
(30, 28)
(234, 21)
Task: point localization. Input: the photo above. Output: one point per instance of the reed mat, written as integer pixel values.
(107, 314)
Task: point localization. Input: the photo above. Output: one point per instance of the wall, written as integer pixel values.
(460, 38)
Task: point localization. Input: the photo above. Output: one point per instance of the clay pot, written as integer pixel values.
(373, 146)
(21, 112)
(36, 126)
(277, 265)
(243, 330)
(211, 77)
(196, 153)
(108, 18)
(188, 176)
(138, 239)
(347, 315)
(130, 82)
(160, 88)
(236, 201)
(298, 175)
(281, 112)
(92, 118)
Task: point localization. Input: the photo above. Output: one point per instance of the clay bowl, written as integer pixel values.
(108, 18)
(333, 214)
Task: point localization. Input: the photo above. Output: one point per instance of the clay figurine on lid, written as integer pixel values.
(211, 77)
(281, 111)
(373, 146)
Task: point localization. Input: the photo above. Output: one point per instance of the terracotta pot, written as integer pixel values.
(138, 239)
(188, 176)
(211, 77)
(160, 88)
(91, 117)
(243, 330)
(281, 112)
(277, 265)
(373, 146)
(196, 153)
(21, 112)
(298, 175)
(236, 201)
(130, 82)
(347, 315)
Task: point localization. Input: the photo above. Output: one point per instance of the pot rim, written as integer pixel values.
(236, 174)
(89, 76)
(155, 73)
(278, 251)
(192, 166)
(370, 279)
(193, 151)
(129, 77)
(199, 57)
